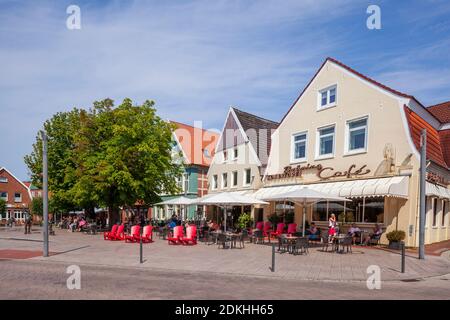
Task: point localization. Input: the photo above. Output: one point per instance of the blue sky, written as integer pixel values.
(197, 58)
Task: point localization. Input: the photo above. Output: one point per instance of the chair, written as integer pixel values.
(147, 235)
(292, 228)
(259, 225)
(266, 229)
(107, 235)
(325, 241)
(241, 238)
(119, 235)
(279, 231)
(257, 236)
(222, 240)
(283, 243)
(374, 239)
(301, 246)
(191, 235)
(347, 243)
(134, 235)
(177, 235)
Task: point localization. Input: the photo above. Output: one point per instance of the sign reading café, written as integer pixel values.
(323, 173)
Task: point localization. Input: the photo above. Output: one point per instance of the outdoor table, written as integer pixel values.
(291, 240)
(233, 237)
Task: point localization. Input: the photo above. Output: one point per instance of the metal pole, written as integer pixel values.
(140, 238)
(304, 218)
(423, 157)
(402, 244)
(45, 191)
(273, 258)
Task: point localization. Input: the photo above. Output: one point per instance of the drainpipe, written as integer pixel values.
(423, 169)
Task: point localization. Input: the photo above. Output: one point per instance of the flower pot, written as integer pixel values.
(395, 245)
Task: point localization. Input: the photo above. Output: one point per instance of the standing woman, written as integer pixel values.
(332, 225)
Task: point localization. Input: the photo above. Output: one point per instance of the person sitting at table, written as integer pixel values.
(312, 232)
(377, 231)
(354, 232)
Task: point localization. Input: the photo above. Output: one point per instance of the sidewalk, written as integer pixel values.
(253, 260)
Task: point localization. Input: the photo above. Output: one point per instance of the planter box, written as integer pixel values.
(395, 245)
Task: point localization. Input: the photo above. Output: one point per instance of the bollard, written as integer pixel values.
(273, 258)
(402, 244)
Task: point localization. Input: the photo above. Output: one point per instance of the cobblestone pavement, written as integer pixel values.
(253, 260)
(32, 279)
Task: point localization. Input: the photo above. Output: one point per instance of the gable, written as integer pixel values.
(231, 135)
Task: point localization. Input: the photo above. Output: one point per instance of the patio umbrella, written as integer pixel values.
(179, 201)
(304, 196)
(226, 199)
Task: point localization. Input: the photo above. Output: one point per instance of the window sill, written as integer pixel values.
(353, 153)
(324, 157)
(325, 107)
(302, 160)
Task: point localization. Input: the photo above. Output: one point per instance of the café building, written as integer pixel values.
(351, 136)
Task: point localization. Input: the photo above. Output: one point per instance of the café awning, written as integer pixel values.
(437, 191)
(389, 187)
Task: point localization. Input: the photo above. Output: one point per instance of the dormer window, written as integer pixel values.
(327, 97)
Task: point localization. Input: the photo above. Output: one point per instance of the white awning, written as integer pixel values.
(437, 191)
(390, 187)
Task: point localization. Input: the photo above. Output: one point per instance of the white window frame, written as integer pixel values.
(328, 105)
(6, 199)
(245, 177)
(347, 150)
(3, 180)
(328, 155)
(293, 159)
(215, 182)
(15, 198)
(225, 180)
(233, 184)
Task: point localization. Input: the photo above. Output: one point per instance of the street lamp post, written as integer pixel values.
(45, 190)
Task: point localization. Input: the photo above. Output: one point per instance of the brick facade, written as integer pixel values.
(17, 196)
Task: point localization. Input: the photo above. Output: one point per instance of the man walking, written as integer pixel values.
(28, 221)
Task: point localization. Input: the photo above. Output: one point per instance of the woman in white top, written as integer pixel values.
(332, 225)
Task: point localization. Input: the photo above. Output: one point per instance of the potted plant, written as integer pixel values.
(244, 221)
(289, 217)
(395, 237)
(274, 219)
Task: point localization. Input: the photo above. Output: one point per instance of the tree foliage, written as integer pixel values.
(107, 156)
(2, 206)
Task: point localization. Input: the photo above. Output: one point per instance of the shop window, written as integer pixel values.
(374, 210)
(320, 211)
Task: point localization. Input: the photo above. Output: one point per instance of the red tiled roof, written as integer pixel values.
(194, 141)
(434, 144)
(441, 111)
(445, 144)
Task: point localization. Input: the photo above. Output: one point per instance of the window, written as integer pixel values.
(356, 135)
(206, 153)
(215, 184)
(17, 197)
(435, 212)
(224, 180)
(325, 144)
(327, 97)
(225, 155)
(235, 153)
(247, 177)
(234, 183)
(298, 151)
(4, 195)
(374, 210)
(4, 179)
(444, 212)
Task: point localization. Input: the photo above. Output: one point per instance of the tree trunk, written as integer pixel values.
(113, 214)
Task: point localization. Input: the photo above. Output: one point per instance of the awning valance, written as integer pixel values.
(437, 191)
(390, 187)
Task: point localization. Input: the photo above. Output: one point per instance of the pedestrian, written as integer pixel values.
(28, 221)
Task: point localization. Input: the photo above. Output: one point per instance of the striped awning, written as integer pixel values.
(389, 187)
(435, 190)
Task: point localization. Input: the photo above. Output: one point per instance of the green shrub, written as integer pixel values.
(396, 235)
(244, 221)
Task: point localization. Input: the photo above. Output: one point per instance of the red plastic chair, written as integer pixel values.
(191, 235)
(134, 234)
(292, 228)
(147, 235)
(107, 234)
(177, 235)
(267, 228)
(120, 234)
(260, 225)
(279, 231)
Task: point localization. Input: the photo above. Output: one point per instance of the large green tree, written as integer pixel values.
(112, 156)
(2, 207)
